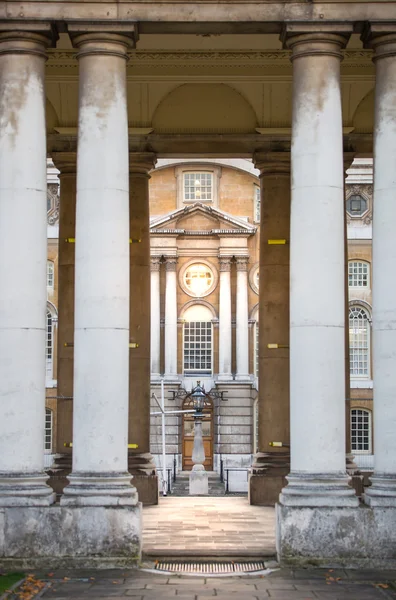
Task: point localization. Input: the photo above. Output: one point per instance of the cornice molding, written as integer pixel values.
(230, 58)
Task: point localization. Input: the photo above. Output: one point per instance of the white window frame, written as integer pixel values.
(48, 430)
(50, 274)
(357, 346)
(187, 266)
(196, 179)
(181, 170)
(357, 278)
(197, 372)
(368, 413)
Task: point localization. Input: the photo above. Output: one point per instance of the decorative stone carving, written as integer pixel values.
(242, 263)
(225, 263)
(170, 263)
(52, 203)
(155, 263)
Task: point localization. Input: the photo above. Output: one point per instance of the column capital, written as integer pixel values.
(140, 163)
(225, 263)
(65, 162)
(103, 38)
(307, 39)
(268, 163)
(242, 263)
(26, 37)
(170, 263)
(155, 263)
(381, 37)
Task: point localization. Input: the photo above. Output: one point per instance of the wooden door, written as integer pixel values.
(188, 441)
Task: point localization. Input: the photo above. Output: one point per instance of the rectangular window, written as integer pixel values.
(50, 274)
(358, 274)
(198, 348)
(48, 430)
(257, 203)
(198, 187)
(361, 431)
(358, 350)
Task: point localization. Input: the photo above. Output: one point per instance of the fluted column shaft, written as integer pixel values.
(242, 320)
(317, 320)
(225, 327)
(383, 489)
(23, 219)
(101, 336)
(155, 318)
(170, 318)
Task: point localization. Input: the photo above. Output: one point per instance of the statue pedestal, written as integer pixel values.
(198, 481)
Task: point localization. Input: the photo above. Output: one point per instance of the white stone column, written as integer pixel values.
(101, 339)
(317, 319)
(170, 319)
(23, 260)
(225, 327)
(242, 320)
(383, 489)
(155, 318)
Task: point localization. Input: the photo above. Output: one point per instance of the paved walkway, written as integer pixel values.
(223, 526)
(281, 585)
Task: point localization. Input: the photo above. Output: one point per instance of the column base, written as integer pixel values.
(267, 477)
(59, 473)
(145, 480)
(99, 489)
(198, 484)
(25, 489)
(246, 378)
(382, 491)
(318, 489)
(67, 538)
(359, 537)
(224, 377)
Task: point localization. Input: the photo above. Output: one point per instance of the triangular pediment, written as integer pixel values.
(200, 219)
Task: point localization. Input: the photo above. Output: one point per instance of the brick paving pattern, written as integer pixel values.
(223, 526)
(283, 584)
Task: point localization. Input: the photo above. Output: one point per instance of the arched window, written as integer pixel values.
(48, 430)
(197, 341)
(50, 274)
(361, 431)
(359, 342)
(358, 274)
(49, 345)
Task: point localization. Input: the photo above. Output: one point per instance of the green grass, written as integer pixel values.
(6, 581)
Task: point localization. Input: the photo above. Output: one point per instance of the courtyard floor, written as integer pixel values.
(208, 526)
(283, 584)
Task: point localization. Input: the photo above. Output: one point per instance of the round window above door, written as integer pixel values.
(198, 279)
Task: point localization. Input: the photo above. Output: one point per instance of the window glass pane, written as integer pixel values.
(197, 350)
(50, 274)
(49, 346)
(198, 279)
(198, 186)
(358, 274)
(356, 205)
(358, 342)
(361, 430)
(48, 430)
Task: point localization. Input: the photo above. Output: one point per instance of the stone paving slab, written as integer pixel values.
(208, 526)
(283, 584)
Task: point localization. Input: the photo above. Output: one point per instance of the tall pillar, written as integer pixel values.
(170, 319)
(140, 461)
(242, 320)
(101, 335)
(66, 163)
(225, 327)
(272, 463)
(383, 489)
(23, 218)
(317, 320)
(155, 318)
